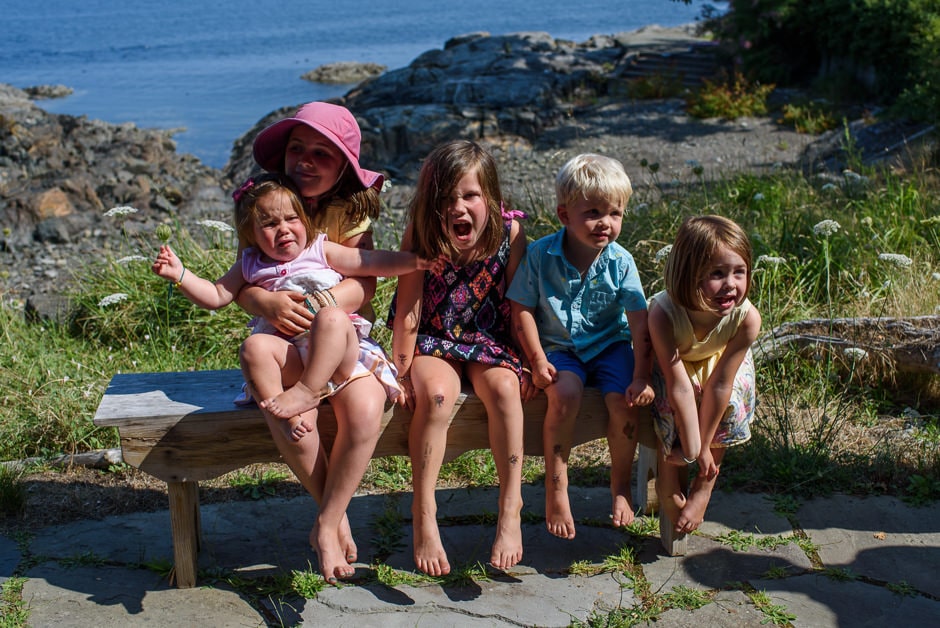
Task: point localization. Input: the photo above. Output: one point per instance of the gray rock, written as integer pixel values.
(343, 72)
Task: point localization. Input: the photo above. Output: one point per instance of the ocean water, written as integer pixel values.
(213, 68)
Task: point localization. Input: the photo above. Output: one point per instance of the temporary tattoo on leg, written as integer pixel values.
(439, 400)
(556, 449)
(556, 478)
(514, 460)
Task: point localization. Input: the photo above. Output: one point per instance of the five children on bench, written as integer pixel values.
(558, 314)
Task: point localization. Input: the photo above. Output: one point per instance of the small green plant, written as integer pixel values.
(391, 577)
(729, 100)
(307, 583)
(388, 530)
(12, 492)
(687, 598)
(14, 611)
(655, 86)
(902, 588)
(623, 561)
(840, 574)
(84, 559)
(773, 613)
(584, 568)
(259, 484)
(811, 117)
(776, 572)
(921, 490)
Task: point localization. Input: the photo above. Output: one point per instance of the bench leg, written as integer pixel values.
(184, 520)
(646, 480)
(675, 543)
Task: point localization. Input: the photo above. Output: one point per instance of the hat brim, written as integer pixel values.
(270, 144)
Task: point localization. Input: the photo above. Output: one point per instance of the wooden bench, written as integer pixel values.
(183, 428)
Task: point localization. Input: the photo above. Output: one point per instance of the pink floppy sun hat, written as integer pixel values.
(336, 123)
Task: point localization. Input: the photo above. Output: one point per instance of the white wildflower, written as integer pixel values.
(867, 221)
(758, 197)
(770, 260)
(111, 299)
(935, 276)
(901, 261)
(826, 228)
(829, 187)
(853, 176)
(733, 193)
(663, 253)
(386, 185)
(642, 207)
(131, 258)
(121, 210)
(855, 354)
(217, 225)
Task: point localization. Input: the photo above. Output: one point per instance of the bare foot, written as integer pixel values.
(346, 541)
(430, 557)
(330, 553)
(295, 400)
(297, 427)
(621, 511)
(558, 517)
(693, 514)
(507, 548)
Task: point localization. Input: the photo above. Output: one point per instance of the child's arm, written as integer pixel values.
(716, 391)
(517, 249)
(527, 335)
(376, 263)
(202, 292)
(639, 392)
(679, 390)
(405, 325)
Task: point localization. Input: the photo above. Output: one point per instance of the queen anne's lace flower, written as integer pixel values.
(770, 260)
(111, 299)
(217, 225)
(131, 258)
(901, 261)
(855, 354)
(826, 228)
(122, 210)
(663, 253)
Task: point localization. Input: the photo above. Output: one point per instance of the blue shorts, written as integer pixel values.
(611, 370)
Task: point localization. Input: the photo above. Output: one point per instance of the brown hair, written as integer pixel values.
(439, 176)
(252, 190)
(697, 240)
(359, 202)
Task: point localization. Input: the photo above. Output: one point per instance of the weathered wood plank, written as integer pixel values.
(182, 427)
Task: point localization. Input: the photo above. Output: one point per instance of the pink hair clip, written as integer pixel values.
(509, 214)
(247, 185)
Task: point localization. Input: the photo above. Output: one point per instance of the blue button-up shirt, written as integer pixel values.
(582, 316)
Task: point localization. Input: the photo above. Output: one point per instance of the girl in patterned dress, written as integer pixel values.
(702, 327)
(455, 325)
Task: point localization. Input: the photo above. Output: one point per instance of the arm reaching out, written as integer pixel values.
(377, 263)
(202, 292)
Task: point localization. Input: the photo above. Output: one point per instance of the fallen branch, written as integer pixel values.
(910, 345)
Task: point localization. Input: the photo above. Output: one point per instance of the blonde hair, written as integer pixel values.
(593, 176)
(697, 241)
(248, 213)
(442, 171)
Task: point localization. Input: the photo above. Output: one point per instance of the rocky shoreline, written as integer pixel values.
(535, 101)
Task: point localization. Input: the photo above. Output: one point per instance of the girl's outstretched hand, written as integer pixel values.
(639, 393)
(528, 389)
(167, 265)
(543, 373)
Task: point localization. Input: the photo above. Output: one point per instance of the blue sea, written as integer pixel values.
(214, 68)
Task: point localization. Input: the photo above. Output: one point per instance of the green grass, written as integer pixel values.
(825, 422)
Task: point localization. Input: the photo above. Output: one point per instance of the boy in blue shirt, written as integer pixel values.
(577, 303)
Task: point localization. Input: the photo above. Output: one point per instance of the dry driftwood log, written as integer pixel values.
(910, 345)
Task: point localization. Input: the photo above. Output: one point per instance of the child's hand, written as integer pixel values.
(528, 388)
(639, 393)
(543, 373)
(167, 265)
(436, 266)
(407, 396)
(706, 464)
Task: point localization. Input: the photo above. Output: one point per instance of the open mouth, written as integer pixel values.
(462, 229)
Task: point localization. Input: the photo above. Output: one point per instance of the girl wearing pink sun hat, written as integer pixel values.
(318, 149)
